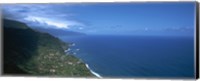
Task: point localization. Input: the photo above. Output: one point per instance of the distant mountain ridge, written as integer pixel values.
(58, 32)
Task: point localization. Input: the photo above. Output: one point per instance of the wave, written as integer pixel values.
(74, 53)
(93, 72)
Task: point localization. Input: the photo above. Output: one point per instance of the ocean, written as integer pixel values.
(135, 56)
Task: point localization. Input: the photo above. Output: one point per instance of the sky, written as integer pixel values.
(173, 19)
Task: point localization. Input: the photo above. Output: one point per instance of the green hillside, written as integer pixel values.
(29, 52)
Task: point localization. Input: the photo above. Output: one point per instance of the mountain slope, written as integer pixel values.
(29, 52)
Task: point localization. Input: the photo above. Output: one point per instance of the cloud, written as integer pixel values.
(180, 29)
(65, 24)
(41, 15)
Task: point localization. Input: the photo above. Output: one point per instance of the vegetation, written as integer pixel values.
(29, 52)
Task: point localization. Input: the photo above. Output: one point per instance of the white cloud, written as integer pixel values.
(52, 22)
(80, 28)
(37, 14)
(146, 29)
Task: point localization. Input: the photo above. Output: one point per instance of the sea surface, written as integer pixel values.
(135, 56)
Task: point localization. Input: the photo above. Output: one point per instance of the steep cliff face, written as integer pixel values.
(29, 52)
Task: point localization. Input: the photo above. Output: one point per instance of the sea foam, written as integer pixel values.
(93, 72)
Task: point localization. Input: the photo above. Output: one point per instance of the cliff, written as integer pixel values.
(29, 52)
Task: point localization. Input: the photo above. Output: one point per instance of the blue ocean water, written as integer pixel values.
(136, 56)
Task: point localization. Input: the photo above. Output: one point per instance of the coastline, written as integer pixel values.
(93, 72)
(87, 66)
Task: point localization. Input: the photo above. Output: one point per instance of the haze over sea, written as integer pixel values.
(136, 56)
